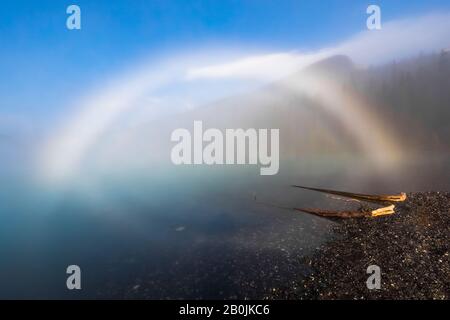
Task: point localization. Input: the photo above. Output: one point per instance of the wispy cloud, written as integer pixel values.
(259, 67)
(399, 39)
(396, 40)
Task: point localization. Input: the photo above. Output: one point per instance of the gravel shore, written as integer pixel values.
(411, 247)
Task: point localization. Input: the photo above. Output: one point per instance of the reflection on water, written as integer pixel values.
(182, 233)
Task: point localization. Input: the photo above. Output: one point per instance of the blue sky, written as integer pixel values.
(43, 63)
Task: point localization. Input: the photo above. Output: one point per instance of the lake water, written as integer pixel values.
(180, 233)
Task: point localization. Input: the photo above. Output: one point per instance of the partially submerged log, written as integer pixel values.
(358, 196)
(362, 212)
(350, 214)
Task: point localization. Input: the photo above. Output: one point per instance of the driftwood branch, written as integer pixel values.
(361, 213)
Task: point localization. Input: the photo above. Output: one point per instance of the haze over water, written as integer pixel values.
(85, 126)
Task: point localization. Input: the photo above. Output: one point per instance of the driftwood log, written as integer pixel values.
(386, 200)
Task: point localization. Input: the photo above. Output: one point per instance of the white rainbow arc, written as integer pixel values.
(66, 150)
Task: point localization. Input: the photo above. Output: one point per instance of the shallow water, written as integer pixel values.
(183, 232)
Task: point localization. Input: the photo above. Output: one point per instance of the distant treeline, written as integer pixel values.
(416, 94)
